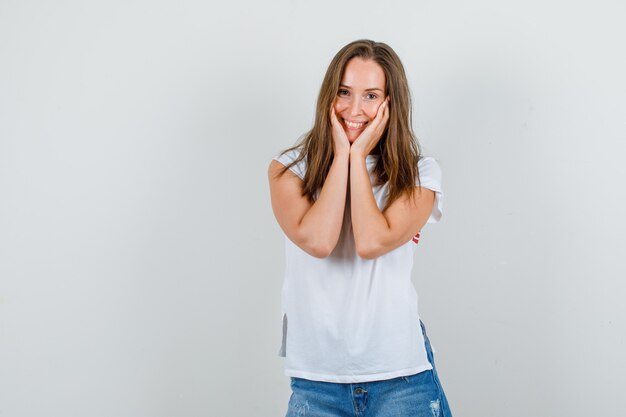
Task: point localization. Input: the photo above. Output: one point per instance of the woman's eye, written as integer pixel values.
(343, 92)
(372, 96)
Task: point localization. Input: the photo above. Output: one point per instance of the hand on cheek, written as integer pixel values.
(368, 139)
(340, 140)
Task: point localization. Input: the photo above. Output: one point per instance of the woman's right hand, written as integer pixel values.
(340, 140)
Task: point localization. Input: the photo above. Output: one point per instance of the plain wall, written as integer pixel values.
(140, 262)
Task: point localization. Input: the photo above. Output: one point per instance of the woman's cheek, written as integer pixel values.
(372, 110)
(339, 108)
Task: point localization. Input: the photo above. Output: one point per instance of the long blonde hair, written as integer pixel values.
(398, 147)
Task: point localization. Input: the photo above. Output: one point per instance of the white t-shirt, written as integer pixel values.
(348, 319)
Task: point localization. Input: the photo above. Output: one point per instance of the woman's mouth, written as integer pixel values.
(354, 125)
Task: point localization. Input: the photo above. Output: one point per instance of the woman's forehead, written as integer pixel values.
(363, 74)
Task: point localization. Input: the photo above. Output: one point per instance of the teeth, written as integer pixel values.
(354, 125)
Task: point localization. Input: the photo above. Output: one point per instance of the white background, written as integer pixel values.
(140, 263)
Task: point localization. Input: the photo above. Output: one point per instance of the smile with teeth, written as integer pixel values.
(354, 125)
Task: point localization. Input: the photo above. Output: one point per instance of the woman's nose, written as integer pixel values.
(355, 107)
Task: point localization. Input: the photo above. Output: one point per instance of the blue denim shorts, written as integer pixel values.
(419, 395)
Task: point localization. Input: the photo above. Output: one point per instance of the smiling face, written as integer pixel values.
(361, 92)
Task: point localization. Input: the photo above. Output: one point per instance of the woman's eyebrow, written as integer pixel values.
(367, 89)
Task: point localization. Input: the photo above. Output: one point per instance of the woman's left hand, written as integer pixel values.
(367, 140)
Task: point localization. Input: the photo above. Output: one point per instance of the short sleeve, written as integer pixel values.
(430, 177)
(288, 157)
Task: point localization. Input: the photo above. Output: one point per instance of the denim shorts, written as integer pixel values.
(418, 395)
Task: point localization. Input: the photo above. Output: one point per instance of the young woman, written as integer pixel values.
(351, 198)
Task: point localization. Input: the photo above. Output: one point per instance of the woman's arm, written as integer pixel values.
(315, 228)
(376, 232)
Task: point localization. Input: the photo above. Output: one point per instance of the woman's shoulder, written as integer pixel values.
(428, 163)
(430, 177)
(287, 157)
(429, 171)
(428, 159)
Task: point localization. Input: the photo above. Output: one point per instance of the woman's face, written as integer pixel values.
(361, 91)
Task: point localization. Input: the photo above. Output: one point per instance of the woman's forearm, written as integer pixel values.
(368, 222)
(321, 225)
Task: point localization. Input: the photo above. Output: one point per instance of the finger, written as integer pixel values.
(384, 117)
(385, 107)
(381, 111)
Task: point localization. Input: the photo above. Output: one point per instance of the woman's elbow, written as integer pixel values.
(318, 248)
(368, 251)
(319, 251)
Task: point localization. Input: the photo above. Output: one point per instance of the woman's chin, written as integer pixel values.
(352, 136)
